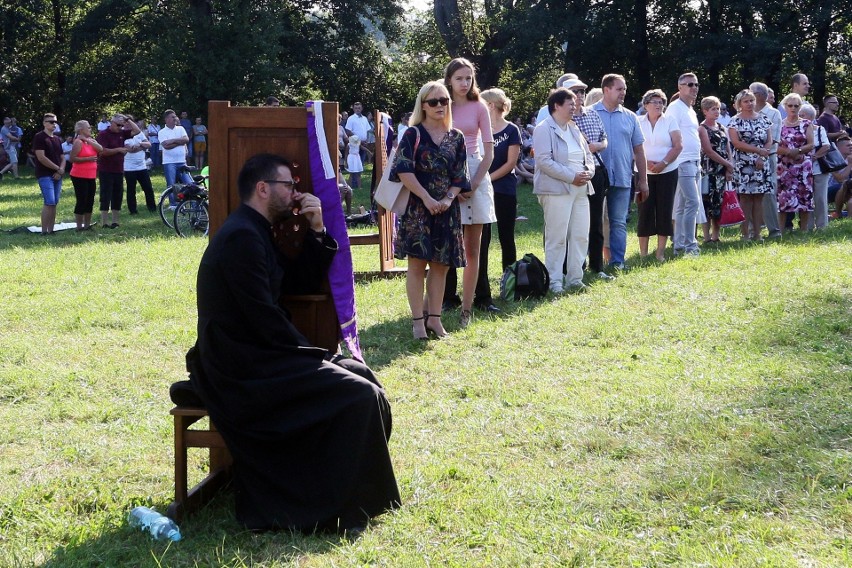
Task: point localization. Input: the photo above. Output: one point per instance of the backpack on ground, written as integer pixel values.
(525, 278)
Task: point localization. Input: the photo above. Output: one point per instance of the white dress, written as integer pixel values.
(353, 159)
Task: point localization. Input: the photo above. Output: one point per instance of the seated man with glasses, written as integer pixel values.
(307, 429)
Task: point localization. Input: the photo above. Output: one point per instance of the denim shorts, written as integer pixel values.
(51, 189)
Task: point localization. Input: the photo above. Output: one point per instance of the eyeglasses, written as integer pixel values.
(690, 85)
(578, 91)
(443, 101)
(655, 102)
(289, 183)
(791, 105)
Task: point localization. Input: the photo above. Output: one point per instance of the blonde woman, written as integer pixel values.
(507, 148)
(750, 133)
(795, 169)
(84, 172)
(431, 162)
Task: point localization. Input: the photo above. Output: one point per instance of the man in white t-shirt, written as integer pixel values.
(173, 142)
(358, 124)
(688, 197)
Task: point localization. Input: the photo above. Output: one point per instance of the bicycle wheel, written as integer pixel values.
(191, 218)
(167, 214)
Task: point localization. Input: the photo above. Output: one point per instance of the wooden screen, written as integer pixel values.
(238, 133)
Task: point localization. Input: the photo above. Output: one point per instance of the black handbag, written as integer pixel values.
(833, 160)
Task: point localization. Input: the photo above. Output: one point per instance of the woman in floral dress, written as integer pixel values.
(432, 163)
(750, 133)
(795, 169)
(716, 163)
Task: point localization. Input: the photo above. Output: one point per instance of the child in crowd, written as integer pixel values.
(353, 162)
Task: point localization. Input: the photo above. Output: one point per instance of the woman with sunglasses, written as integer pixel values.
(470, 115)
(430, 161)
(795, 169)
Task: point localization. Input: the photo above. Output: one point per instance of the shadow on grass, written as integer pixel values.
(211, 537)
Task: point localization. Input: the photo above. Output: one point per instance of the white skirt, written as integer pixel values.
(479, 209)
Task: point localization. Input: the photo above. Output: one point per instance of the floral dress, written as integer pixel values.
(434, 238)
(747, 178)
(715, 172)
(795, 178)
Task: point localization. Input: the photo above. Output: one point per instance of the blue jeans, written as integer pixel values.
(156, 157)
(686, 204)
(170, 172)
(617, 204)
(51, 189)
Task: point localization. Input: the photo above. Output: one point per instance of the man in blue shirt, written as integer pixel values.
(624, 147)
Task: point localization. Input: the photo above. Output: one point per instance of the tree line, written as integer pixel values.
(80, 59)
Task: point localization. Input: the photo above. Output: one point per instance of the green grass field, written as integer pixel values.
(691, 413)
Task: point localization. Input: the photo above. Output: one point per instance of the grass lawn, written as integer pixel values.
(690, 413)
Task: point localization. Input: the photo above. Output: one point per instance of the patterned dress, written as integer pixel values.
(747, 178)
(434, 238)
(715, 172)
(795, 178)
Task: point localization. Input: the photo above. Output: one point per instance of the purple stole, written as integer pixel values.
(340, 274)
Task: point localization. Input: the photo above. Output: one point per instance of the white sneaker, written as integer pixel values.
(556, 288)
(604, 276)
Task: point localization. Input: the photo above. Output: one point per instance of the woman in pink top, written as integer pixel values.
(84, 171)
(470, 115)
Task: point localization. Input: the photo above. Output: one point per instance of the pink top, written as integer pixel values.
(472, 119)
(85, 170)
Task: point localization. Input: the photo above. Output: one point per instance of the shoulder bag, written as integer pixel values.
(393, 195)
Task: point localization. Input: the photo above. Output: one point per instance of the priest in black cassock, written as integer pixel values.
(308, 430)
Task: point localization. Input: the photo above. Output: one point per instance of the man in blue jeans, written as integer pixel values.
(688, 197)
(624, 147)
(173, 143)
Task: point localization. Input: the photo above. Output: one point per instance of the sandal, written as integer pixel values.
(417, 335)
(439, 333)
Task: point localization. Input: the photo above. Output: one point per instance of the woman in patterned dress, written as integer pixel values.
(795, 169)
(750, 133)
(716, 163)
(431, 162)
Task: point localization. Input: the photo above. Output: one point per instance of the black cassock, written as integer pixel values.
(308, 435)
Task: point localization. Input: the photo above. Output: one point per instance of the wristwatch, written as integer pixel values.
(664, 161)
(451, 195)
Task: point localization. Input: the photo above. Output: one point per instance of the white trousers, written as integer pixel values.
(566, 228)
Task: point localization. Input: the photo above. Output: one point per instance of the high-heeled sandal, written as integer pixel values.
(440, 334)
(466, 316)
(416, 334)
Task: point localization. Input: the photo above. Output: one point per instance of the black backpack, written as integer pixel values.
(525, 278)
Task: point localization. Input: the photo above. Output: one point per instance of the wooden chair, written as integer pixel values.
(235, 135)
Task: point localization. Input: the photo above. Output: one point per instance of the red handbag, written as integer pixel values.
(732, 213)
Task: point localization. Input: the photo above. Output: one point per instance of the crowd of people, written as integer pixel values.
(115, 158)
(588, 157)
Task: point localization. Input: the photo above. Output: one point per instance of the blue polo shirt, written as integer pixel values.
(623, 133)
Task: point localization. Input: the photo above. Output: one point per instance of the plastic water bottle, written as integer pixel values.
(160, 526)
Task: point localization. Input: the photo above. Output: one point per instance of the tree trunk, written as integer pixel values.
(449, 24)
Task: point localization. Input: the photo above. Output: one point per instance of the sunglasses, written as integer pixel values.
(51, 121)
(690, 85)
(443, 101)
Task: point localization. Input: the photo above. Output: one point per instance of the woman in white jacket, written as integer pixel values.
(564, 168)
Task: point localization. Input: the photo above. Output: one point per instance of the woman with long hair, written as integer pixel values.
(430, 161)
(470, 115)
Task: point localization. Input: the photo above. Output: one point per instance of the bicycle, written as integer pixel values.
(168, 199)
(191, 216)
